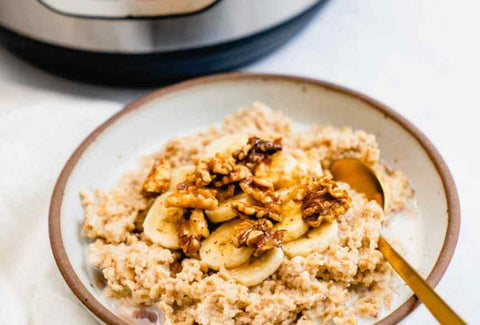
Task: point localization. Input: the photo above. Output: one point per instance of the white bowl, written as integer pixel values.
(145, 125)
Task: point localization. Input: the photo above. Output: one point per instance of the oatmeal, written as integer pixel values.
(243, 224)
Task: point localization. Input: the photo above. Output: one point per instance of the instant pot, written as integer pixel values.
(139, 42)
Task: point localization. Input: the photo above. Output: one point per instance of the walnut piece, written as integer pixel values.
(225, 169)
(207, 170)
(191, 231)
(225, 192)
(158, 181)
(192, 197)
(258, 234)
(256, 211)
(262, 191)
(325, 201)
(219, 170)
(239, 173)
(257, 150)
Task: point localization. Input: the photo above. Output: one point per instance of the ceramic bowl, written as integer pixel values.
(116, 146)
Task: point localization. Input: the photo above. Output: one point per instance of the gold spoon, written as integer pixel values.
(363, 179)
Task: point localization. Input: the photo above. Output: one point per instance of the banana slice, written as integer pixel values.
(179, 175)
(224, 211)
(218, 249)
(259, 269)
(160, 224)
(313, 166)
(278, 169)
(226, 144)
(316, 240)
(293, 221)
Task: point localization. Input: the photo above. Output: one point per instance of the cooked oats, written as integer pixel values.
(348, 280)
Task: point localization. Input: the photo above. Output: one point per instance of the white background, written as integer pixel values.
(419, 57)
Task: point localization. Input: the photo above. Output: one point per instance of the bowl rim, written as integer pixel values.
(102, 313)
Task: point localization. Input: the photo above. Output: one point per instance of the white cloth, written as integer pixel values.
(36, 138)
(419, 57)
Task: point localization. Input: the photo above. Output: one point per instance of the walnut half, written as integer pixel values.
(158, 181)
(258, 234)
(193, 197)
(219, 170)
(257, 150)
(191, 232)
(256, 211)
(261, 190)
(325, 201)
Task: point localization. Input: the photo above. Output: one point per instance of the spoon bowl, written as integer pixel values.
(362, 178)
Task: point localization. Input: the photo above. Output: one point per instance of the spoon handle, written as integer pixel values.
(442, 312)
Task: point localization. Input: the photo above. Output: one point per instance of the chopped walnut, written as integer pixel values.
(304, 186)
(258, 234)
(218, 171)
(221, 164)
(226, 192)
(193, 197)
(325, 201)
(224, 169)
(256, 211)
(257, 150)
(192, 231)
(207, 170)
(262, 191)
(158, 181)
(239, 173)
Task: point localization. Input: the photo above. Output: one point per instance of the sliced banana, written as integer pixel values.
(312, 166)
(218, 249)
(278, 169)
(285, 193)
(226, 144)
(179, 175)
(224, 211)
(259, 269)
(316, 240)
(292, 222)
(160, 224)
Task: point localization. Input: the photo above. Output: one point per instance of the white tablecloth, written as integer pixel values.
(417, 56)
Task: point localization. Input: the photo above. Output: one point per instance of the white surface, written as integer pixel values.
(419, 57)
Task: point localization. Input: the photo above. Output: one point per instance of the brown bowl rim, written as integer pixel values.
(100, 311)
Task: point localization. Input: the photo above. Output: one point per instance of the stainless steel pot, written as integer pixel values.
(148, 40)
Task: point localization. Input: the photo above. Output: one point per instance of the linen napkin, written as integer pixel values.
(38, 132)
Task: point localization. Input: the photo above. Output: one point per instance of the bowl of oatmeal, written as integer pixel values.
(211, 202)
